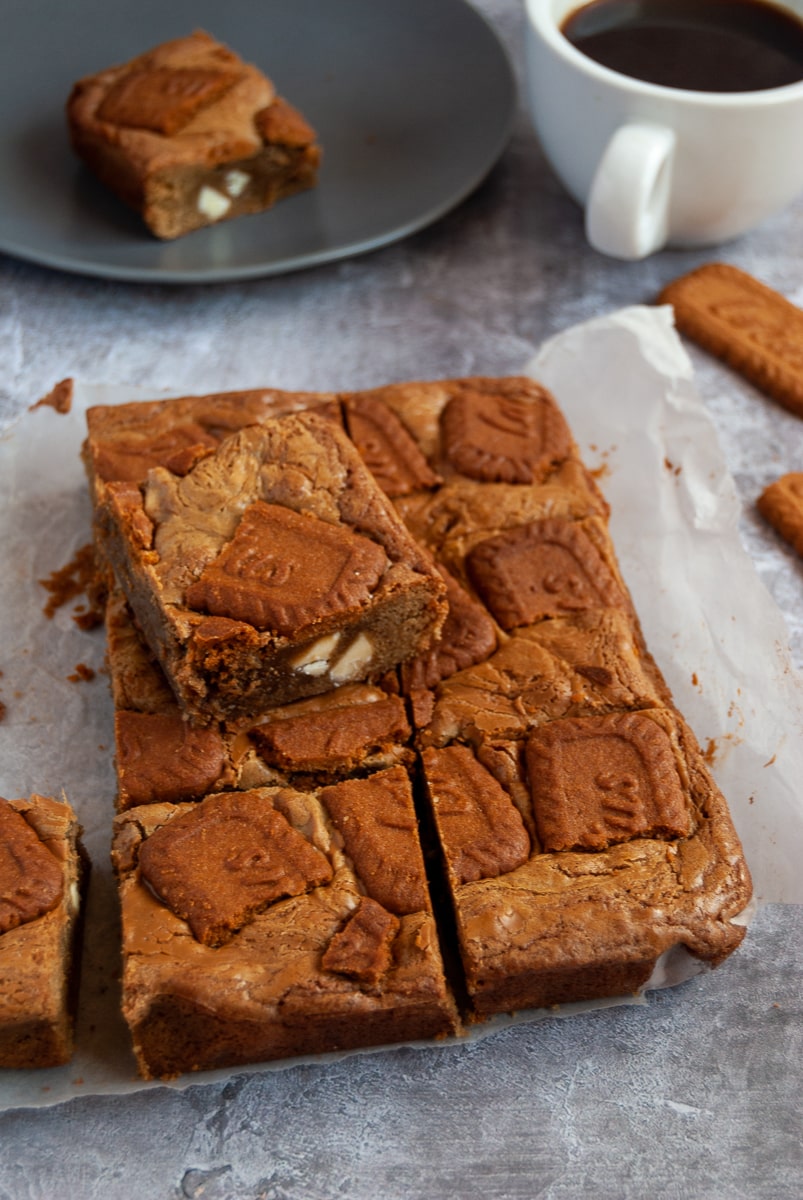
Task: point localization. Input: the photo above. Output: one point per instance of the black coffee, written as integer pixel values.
(702, 45)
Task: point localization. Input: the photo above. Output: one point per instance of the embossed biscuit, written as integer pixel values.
(388, 449)
(362, 948)
(161, 757)
(284, 570)
(377, 821)
(596, 781)
(227, 859)
(337, 737)
(31, 877)
(543, 569)
(499, 436)
(745, 323)
(164, 99)
(481, 830)
(781, 503)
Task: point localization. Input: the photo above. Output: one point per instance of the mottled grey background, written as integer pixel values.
(695, 1094)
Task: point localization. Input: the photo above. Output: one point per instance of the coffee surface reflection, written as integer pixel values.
(698, 45)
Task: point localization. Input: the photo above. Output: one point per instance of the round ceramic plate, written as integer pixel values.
(412, 101)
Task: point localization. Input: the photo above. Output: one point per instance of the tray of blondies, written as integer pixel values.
(390, 716)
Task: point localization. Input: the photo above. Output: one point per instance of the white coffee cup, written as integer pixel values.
(652, 165)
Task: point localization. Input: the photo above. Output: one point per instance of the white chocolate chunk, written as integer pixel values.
(355, 660)
(212, 204)
(315, 659)
(235, 182)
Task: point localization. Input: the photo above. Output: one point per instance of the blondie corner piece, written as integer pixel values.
(274, 570)
(189, 135)
(617, 848)
(42, 872)
(271, 923)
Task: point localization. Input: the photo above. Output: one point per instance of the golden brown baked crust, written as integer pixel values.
(42, 874)
(125, 440)
(188, 134)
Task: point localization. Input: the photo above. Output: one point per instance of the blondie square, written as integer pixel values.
(273, 922)
(188, 135)
(42, 872)
(616, 848)
(273, 570)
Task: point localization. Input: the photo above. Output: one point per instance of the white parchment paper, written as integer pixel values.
(626, 385)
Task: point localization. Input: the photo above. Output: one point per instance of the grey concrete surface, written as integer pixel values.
(694, 1094)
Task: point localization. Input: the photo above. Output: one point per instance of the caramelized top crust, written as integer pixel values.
(227, 859)
(125, 501)
(377, 821)
(462, 512)
(574, 665)
(31, 877)
(125, 440)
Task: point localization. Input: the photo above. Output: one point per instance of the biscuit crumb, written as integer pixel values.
(77, 578)
(82, 674)
(58, 398)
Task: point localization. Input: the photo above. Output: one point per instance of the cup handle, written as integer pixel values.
(627, 214)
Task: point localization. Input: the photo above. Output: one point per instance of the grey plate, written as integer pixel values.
(412, 101)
